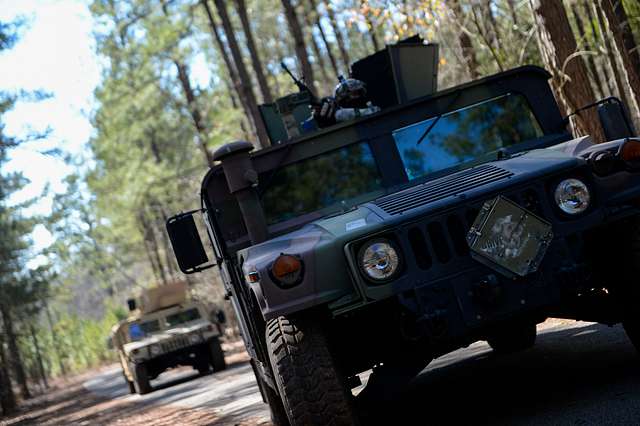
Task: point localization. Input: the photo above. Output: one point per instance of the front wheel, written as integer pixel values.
(216, 355)
(141, 381)
(311, 389)
(513, 338)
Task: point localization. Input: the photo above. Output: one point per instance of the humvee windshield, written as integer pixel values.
(182, 317)
(139, 331)
(348, 176)
(465, 134)
(342, 177)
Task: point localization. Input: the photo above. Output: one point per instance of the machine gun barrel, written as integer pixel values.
(301, 86)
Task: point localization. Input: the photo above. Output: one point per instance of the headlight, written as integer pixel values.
(379, 260)
(155, 350)
(572, 196)
(195, 338)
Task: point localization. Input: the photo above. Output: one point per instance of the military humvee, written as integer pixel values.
(165, 330)
(448, 217)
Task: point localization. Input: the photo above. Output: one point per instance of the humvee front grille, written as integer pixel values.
(175, 344)
(442, 188)
(441, 240)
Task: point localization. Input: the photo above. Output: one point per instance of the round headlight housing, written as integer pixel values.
(155, 350)
(572, 196)
(195, 338)
(379, 260)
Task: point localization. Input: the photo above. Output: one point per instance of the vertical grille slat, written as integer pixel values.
(441, 188)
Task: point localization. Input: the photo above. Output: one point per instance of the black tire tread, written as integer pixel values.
(310, 387)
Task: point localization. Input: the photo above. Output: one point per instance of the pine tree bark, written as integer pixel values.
(300, 46)
(339, 38)
(245, 81)
(36, 347)
(14, 351)
(570, 81)
(194, 110)
(54, 338)
(152, 246)
(613, 62)
(628, 39)
(233, 74)
(7, 397)
(316, 50)
(323, 36)
(595, 76)
(608, 79)
(632, 73)
(466, 45)
(364, 7)
(253, 52)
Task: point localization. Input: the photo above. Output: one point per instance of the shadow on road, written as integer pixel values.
(580, 375)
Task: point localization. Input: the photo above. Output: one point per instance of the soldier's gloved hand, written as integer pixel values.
(324, 114)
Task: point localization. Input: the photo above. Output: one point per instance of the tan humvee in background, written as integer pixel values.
(164, 330)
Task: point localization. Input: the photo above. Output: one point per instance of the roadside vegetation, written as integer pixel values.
(181, 77)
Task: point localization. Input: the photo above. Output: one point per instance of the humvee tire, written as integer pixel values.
(269, 396)
(216, 355)
(132, 387)
(310, 387)
(514, 338)
(141, 379)
(631, 319)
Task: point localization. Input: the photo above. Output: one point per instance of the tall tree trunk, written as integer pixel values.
(161, 219)
(613, 62)
(468, 52)
(512, 11)
(7, 397)
(339, 38)
(14, 351)
(234, 103)
(628, 39)
(253, 51)
(300, 46)
(36, 347)
(595, 76)
(194, 110)
(570, 80)
(632, 72)
(231, 69)
(54, 339)
(245, 81)
(317, 53)
(154, 252)
(323, 36)
(366, 12)
(608, 78)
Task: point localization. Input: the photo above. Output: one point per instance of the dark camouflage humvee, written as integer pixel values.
(446, 218)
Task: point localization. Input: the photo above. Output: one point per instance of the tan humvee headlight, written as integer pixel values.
(195, 338)
(572, 196)
(155, 350)
(379, 260)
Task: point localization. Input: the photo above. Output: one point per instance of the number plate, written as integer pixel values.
(508, 238)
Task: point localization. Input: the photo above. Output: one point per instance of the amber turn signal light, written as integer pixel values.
(287, 270)
(630, 152)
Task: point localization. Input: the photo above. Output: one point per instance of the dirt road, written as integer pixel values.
(577, 374)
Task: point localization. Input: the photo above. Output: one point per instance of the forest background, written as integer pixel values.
(155, 127)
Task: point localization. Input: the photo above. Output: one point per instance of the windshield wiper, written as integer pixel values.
(438, 117)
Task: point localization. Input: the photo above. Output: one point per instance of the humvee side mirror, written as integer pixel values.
(613, 119)
(131, 304)
(186, 243)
